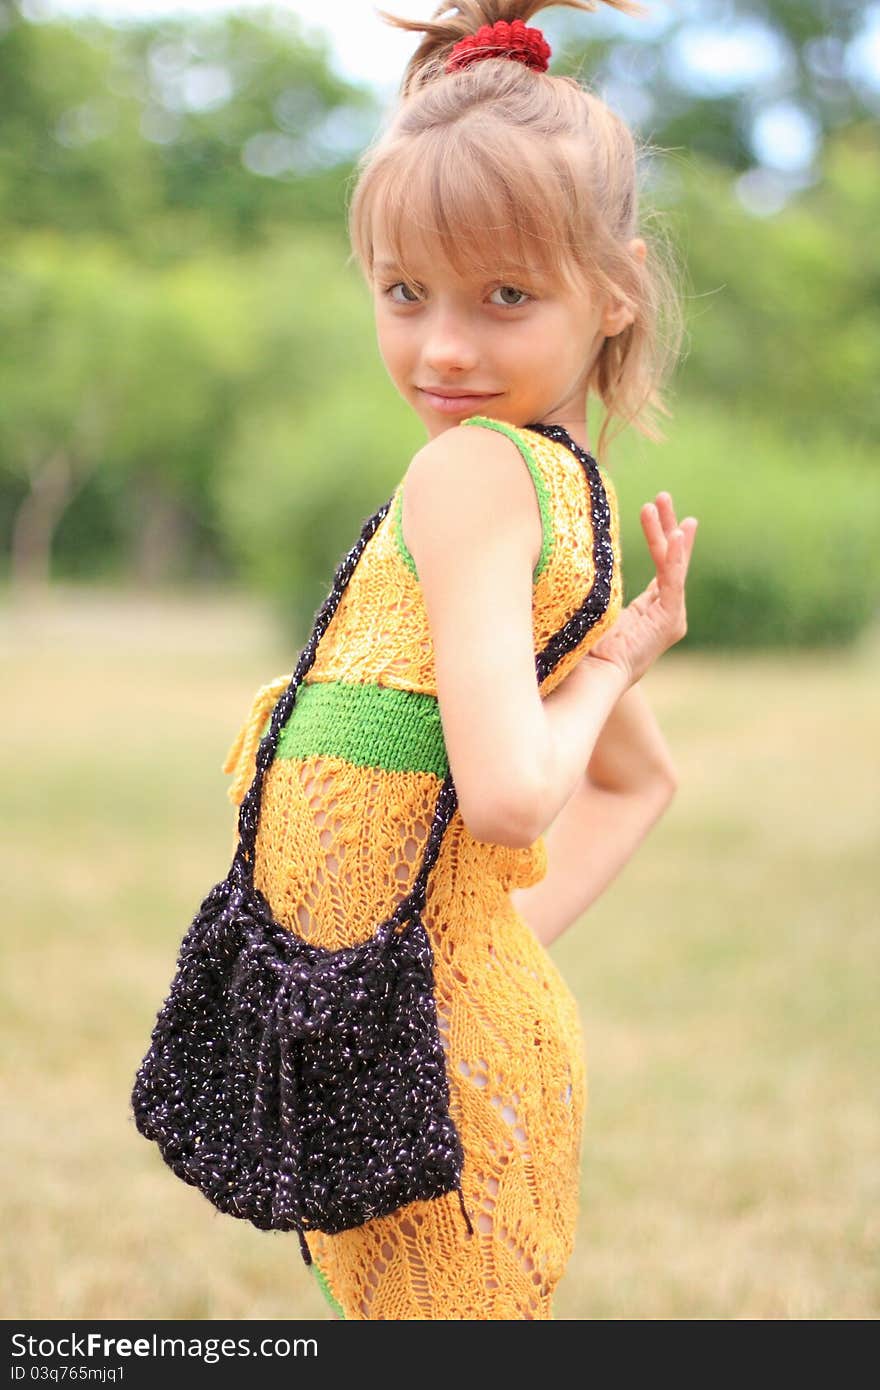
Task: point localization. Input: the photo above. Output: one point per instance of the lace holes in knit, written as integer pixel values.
(510, 1116)
(418, 1274)
(304, 920)
(377, 1269)
(322, 803)
(370, 1294)
(528, 1265)
(485, 1221)
(415, 843)
(321, 799)
(414, 836)
(444, 1019)
(309, 776)
(478, 1071)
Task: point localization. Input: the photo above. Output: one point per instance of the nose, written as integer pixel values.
(449, 345)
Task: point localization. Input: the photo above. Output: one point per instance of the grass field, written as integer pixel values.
(727, 982)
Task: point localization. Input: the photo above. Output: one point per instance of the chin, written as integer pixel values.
(435, 430)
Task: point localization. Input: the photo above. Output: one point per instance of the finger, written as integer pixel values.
(673, 572)
(658, 538)
(654, 533)
(689, 527)
(667, 512)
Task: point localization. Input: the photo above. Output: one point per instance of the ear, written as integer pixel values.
(618, 316)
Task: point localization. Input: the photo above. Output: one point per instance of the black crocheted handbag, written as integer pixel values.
(304, 1088)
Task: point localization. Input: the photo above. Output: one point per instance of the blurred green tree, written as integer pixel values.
(701, 77)
(785, 311)
(112, 378)
(174, 134)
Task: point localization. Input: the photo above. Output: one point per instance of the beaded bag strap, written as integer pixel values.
(563, 641)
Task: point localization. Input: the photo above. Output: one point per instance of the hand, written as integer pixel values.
(656, 619)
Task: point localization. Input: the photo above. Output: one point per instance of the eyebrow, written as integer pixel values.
(526, 271)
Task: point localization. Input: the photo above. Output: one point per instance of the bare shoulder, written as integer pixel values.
(471, 482)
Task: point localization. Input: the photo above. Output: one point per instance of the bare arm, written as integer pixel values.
(631, 750)
(627, 786)
(575, 714)
(630, 778)
(472, 523)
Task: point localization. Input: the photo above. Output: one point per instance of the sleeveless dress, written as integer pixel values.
(347, 805)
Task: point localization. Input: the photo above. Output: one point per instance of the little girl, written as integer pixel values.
(496, 224)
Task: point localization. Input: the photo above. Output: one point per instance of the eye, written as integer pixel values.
(388, 289)
(525, 295)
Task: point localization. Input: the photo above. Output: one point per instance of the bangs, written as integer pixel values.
(487, 208)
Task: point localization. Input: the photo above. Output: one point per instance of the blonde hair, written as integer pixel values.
(498, 147)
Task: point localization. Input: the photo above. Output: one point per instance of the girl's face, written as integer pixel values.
(519, 349)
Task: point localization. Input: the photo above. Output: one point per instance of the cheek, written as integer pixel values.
(392, 339)
(387, 341)
(524, 345)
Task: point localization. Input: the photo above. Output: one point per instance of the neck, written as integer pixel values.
(576, 428)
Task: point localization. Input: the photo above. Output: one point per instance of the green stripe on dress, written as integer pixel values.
(397, 523)
(325, 1289)
(368, 725)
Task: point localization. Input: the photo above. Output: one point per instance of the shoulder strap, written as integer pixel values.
(524, 445)
(563, 641)
(596, 603)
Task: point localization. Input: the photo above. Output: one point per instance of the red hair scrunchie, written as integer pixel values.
(502, 40)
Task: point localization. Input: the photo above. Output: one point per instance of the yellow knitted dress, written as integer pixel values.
(347, 805)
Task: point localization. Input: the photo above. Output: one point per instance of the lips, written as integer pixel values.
(454, 403)
(455, 395)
